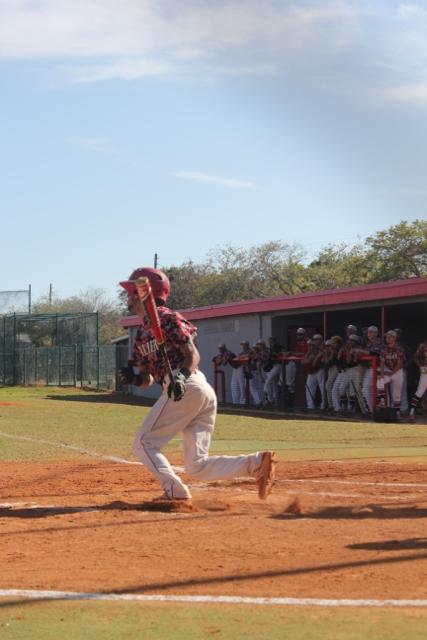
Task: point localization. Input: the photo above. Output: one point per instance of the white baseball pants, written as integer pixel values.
(271, 381)
(194, 417)
(395, 381)
(313, 381)
(238, 386)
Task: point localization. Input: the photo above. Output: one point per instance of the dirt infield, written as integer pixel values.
(89, 526)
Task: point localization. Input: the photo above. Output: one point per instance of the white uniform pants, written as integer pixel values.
(256, 387)
(290, 374)
(332, 376)
(271, 381)
(238, 386)
(341, 383)
(194, 417)
(313, 381)
(395, 382)
(367, 388)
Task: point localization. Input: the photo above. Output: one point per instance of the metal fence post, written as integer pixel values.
(75, 365)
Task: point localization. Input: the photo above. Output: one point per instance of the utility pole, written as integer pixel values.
(50, 295)
(155, 260)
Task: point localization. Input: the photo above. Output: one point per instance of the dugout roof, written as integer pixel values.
(378, 294)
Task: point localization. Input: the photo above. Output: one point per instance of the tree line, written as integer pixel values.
(274, 268)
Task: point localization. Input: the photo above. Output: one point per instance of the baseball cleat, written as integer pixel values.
(265, 474)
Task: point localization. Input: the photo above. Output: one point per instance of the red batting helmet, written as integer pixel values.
(159, 282)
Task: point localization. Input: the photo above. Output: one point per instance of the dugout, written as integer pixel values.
(388, 305)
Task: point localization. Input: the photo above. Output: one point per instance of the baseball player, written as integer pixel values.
(330, 355)
(272, 369)
(243, 371)
(421, 360)
(223, 358)
(404, 402)
(392, 359)
(259, 357)
(187, 404)
(347, 391)
(301, 348)
(373, 346)
(313, 361)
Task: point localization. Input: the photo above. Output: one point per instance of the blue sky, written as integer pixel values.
(139, 127)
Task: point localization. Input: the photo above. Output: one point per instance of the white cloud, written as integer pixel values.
(354, 47)
(219, 181)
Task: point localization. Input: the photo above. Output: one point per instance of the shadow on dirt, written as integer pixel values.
(164, 506)
(391, 545)
(368, 511)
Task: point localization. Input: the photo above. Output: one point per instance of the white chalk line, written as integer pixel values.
(63, 445)
(33, 594)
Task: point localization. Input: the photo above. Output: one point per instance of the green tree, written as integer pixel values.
(337, 266)
(398, 252)
(89, 301)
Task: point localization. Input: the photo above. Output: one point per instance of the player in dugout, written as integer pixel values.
(187, 404)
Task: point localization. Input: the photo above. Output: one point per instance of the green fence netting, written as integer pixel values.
(57, 350)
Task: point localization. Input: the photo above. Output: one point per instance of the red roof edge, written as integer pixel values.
(381, 291)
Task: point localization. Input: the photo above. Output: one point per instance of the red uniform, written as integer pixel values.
(176, 330)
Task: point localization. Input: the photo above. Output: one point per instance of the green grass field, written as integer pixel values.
(49, 417)
(89, 420)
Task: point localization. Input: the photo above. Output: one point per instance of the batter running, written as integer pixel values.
(187, 404)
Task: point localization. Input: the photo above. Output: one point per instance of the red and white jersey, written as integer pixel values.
(392, 355)
(301, 347)
(177, 332)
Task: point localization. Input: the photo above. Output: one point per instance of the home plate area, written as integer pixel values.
(330, 530)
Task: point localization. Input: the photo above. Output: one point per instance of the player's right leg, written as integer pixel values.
(165, 420)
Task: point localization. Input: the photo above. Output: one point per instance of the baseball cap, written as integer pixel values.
(373, 328)
(392, 333)
(300, 330)
(352, 328)
(317, 336)
(221, 345)
(354, 338)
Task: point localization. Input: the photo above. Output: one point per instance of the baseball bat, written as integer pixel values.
(146, 297)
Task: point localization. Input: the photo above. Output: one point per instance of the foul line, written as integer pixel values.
(63, 445)
(178, 469)
(33, 594)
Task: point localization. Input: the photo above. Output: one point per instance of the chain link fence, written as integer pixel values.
(57, 350)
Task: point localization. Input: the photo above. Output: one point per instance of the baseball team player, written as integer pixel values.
(421, 360)
(330, 359)
(226, 357)
(301, 348)
(314, 365)
(373, 346)
(187, 404)
(272, 369)
(347, 386)
(404, 401)
(243, 371)
(259, 356)
(392, 359)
